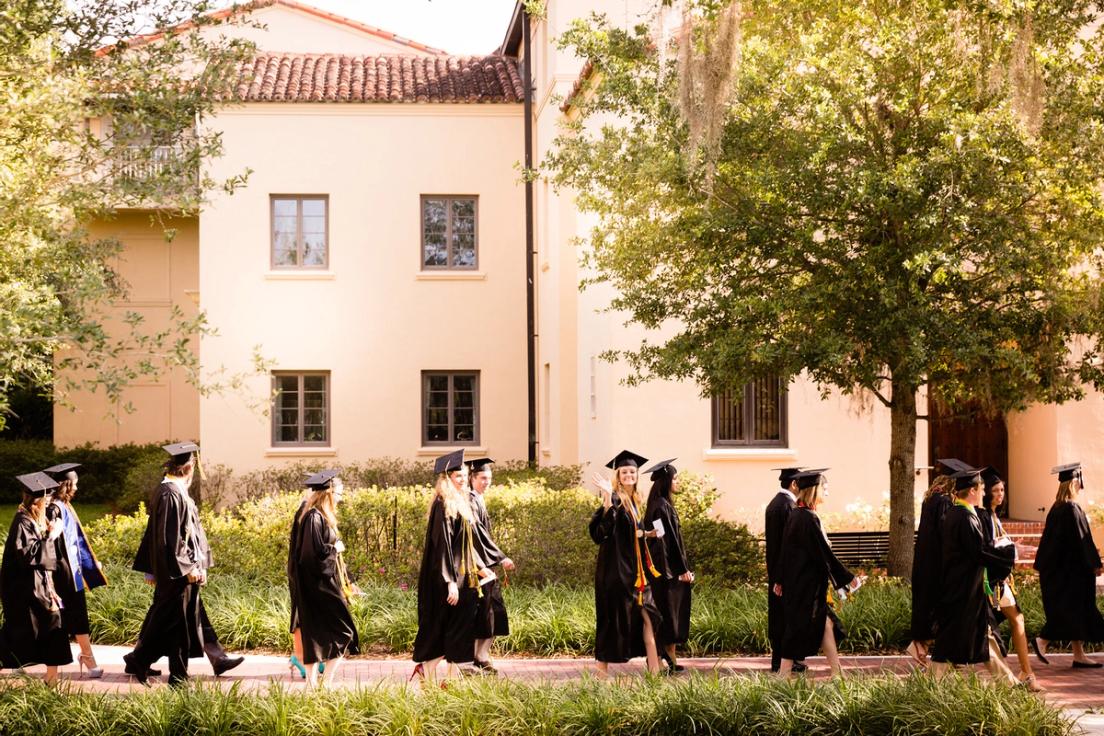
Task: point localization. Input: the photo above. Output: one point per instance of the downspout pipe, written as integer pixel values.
(530, 255)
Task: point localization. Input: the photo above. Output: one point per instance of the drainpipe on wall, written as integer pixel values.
(530, 286)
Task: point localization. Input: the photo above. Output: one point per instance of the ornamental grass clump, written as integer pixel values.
(477, 706)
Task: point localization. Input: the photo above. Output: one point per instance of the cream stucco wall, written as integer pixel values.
(161, 275)
(283, 28)
(372, 319)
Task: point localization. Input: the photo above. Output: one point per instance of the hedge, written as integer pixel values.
(103, 478)
(543, 529)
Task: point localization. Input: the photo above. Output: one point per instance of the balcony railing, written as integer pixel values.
(140, 163)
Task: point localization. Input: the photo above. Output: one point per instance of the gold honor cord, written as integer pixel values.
(467, 559)
(641, 582)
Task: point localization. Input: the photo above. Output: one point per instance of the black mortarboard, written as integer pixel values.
(450, 462)
(58, 472)
(37, 484)
(785, 475)
(478, 464)
(662, 466)
(954, 465)
(966, 478)
(1067, 472)
(809, 478)
(181, 451)
(321, 480)
(626, 458)
(991, 478)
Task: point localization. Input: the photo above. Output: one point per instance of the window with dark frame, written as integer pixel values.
(301, 409)
(449, 233)
(450, 407)
(300, 231)
(754, 416)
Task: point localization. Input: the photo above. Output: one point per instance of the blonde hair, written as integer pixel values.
(1065, 492)
(455, 500)
(810, 496)
(941, 486)
(35, 508)
(325, 502)
(627, 493)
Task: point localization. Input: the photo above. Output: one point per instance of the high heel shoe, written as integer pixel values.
(89, 661)
(295, 664)
(321, 668)
(418, 672)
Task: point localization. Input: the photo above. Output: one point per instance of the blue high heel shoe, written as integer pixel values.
(295, 664)
(321, 668)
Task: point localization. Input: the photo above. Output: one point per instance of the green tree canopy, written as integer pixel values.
(901, 193)
(62, 64)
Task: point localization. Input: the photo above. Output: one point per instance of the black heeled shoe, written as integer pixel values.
(1038, 651)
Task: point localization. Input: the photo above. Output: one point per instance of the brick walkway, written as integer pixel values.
(1078, 690)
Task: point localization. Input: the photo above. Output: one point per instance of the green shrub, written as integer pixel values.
(543, 529)
(477, 706)
(223, 487)
(103, 477)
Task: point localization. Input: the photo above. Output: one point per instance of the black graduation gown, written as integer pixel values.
(963, 613)
(927, 567)
(807, 563)
(293, 569)
(444, 630)
(1067, 560)
(619, 608)
(32, 631)
(325, 622)
(672, 596)
(491, 618)
(777, 513)
(173, 545)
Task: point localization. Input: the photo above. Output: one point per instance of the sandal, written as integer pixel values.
(919, 656)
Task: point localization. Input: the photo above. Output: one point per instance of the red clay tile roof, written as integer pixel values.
(286, 77)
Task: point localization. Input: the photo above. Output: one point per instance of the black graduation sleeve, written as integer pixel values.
(32, 549)
(170, 547)
(1089, 552)
(441, 541)
(839, 574)
(317, 558)
(601, 524)
(677, 562)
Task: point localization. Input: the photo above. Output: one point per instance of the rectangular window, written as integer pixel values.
(754, 416)
(300, 231)
(450, 408)
(301, 409)
(449, 233)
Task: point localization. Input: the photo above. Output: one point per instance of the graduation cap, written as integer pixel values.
(966, 478)
(181, 451)
(809, 478)
(58, 472)
(785, 475)
(991, 478)
(321, 480)
(626, 458)
(662, 467)
(954, 465)
(450, 462)
(37, 484)
(478, 464)
(1067, 472)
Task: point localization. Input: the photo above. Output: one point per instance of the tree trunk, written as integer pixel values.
(902, 468)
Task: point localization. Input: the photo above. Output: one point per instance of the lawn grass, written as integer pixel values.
(701, 704)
